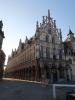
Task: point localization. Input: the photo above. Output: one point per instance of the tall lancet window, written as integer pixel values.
(47, 52)
(41, 51)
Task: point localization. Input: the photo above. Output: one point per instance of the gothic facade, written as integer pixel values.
(40, 57)
(69, 49)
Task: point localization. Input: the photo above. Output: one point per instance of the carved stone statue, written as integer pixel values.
(1, 25)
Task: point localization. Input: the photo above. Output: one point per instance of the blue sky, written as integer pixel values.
(20, 16)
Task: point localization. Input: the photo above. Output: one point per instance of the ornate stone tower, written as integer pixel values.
(2, 54)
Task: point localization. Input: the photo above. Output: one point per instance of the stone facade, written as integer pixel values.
(40, 57)
(69, 48)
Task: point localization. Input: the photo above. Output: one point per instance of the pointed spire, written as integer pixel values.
(20, 40)
(70, 32)
(12, 50)
(20, 43)
(70, 29)
(60, 33)
(37, 26)
(55, 23)
(48, 14)
(26, 38)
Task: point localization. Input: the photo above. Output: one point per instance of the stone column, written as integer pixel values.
(36, 74)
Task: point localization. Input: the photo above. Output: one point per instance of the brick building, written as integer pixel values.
(41, 57)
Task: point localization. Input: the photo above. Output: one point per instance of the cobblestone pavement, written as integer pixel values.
(11, 89)
(20, 90)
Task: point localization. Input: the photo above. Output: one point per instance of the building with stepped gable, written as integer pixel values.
(41, 57)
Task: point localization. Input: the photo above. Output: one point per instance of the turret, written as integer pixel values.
(26, 40)
(37, 27)
(70, 35)
(54, 23)
(48, 14)
(60, 34)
